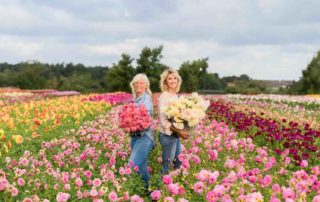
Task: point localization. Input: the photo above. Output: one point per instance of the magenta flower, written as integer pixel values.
(88, 173)
(113, 196)
(266, 181)
(287, 193)
(211, 196)
(166, 179)
(156, 195)
(173, 189)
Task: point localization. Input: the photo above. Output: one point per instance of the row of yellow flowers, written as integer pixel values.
(28, 121)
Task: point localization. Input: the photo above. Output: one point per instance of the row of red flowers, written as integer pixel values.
(299, 139)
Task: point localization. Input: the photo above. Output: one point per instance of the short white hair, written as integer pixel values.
(139, 77)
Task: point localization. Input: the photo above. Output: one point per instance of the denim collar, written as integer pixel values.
(141, 97)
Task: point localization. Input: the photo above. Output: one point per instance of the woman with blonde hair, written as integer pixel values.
(169, 136)
(142, 142)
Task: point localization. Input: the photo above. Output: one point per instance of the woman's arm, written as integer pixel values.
(182, 133)
(164, 122)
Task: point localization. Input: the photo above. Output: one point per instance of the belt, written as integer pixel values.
(138, 134)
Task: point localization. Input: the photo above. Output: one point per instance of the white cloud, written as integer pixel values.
(265, 39)
(18, 47)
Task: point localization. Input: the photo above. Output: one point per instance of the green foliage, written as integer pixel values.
(149, 63)
(247, 87)
(191, 72)
(210, 81)
(120, 75)
(310, 81)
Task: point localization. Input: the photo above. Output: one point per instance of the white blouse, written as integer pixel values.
(164, 123)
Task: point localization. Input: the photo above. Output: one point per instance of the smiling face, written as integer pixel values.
(139, 87)
(171, 82)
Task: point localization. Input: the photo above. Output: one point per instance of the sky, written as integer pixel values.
(265, 39)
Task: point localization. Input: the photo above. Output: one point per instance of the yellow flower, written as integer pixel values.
(2, 135)
(17, 138)
(5, 148)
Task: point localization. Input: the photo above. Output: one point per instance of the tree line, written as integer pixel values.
(195, 76)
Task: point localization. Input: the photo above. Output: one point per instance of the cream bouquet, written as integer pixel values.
(186, 111)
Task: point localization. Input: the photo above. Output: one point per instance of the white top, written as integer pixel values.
(164, 123)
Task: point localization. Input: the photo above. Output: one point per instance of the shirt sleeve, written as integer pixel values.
(164, 122)
(147, 102)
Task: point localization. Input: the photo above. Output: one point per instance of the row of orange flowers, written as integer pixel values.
(35, 119)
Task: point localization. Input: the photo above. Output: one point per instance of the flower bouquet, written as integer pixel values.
(186, 111)
(134, 118)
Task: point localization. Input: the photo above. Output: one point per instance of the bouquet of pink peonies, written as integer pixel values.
(134, 118)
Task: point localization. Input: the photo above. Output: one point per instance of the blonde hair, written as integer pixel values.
(164, 75)
(138, 77)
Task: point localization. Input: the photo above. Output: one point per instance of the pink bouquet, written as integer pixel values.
(134, 118)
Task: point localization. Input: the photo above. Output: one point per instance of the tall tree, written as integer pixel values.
(119, 75)
(32, 76)
(149, 63)
(311, 76)
(191, 73)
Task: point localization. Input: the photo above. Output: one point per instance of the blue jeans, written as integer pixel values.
(140, 149)
(171, 148)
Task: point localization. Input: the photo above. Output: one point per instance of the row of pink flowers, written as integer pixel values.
(91, 164)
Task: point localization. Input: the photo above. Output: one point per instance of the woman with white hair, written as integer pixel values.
(169, 136)
(142, 142)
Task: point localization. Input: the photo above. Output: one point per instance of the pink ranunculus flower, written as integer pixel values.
(287, 193)
(156, 195)
(168, 199)
(62, 197)
(266, 181)
(304, 163)
(21, 182)
(316, 199)
(134, 118)
(79, 194)
(136, 198)
(88, 173)
(173, 189)
(78, 182)
(14, 192)
(113, 196)
(211, 196)
(199, 187)
(93, 192)
(96, 182)
(27, 200)
(166, 179)
(276, 188)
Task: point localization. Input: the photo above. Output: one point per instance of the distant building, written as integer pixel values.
(276, 84)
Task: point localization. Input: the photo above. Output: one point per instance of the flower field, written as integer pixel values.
(248, 148)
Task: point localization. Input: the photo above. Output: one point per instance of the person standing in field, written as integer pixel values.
(169, 136)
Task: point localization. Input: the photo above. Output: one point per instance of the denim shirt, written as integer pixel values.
(146, 100)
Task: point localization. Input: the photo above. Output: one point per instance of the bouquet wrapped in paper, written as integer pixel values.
(186, 111)
(134, 118)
